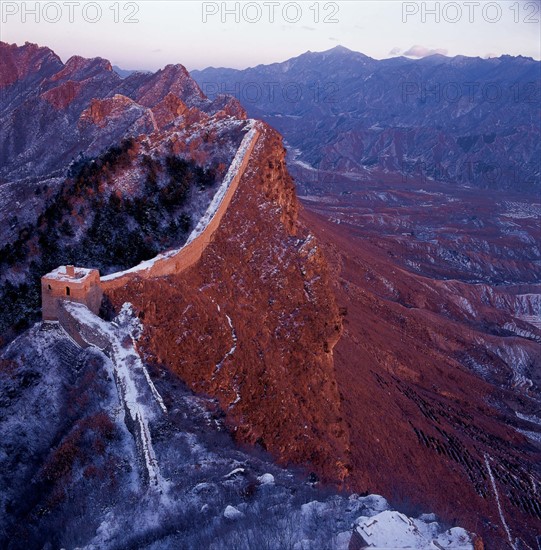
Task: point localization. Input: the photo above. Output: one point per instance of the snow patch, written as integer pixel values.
(500, 509)
(232, 513)
(395, 530)
(266, 479)
(231, 351)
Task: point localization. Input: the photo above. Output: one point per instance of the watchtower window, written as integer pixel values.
(67, 291)
(49, 287)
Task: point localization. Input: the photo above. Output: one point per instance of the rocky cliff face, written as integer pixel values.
(29, 61)
(254, 323)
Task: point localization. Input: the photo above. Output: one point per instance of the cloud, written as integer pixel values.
(491, 55)
(422, 51)
(333, 39)
(395, 51)
(157, 50)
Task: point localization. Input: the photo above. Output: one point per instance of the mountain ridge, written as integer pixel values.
(451, 119)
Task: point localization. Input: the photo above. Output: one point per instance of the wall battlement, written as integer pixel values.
(76, 284)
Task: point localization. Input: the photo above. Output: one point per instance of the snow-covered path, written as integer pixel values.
(141, 400)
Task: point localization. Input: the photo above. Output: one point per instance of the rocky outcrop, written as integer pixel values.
(169, 109)
(254, 323)
(101, 112)
(17, 63)
(173, 79)
(61, 96)
(229, 106)
(80, 67)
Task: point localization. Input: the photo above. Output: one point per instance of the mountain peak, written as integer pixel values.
(342, 49)
(76, 63)
(176, 68)
(18, 61)
(339, 50)
(172, 78)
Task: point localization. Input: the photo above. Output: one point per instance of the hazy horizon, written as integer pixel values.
(277, 61)
(149, 35)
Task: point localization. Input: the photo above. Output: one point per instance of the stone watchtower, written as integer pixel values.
(76, 284)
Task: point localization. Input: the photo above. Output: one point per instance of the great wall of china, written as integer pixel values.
(83, 285)
(179, 260)
(72, 296)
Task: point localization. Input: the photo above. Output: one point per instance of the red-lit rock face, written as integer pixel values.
(173, 79)
(16, 63)
(101, 112)
(61, 96)
(170, 108)
(254, 323)
(90, 106)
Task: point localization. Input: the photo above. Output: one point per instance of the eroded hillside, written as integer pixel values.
(254, 323)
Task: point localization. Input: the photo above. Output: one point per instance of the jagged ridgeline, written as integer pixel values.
(92, 221)
(459, 120)
(75, 187)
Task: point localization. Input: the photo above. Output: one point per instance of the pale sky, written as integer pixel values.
(151, 34)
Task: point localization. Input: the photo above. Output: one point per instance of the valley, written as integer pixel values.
(440, 356)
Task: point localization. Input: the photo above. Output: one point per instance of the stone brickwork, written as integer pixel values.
(76, 284)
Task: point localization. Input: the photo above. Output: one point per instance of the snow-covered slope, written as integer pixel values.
(72, 472)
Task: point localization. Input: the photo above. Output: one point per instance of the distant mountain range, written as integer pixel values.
(462, 120)
(123, 73)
